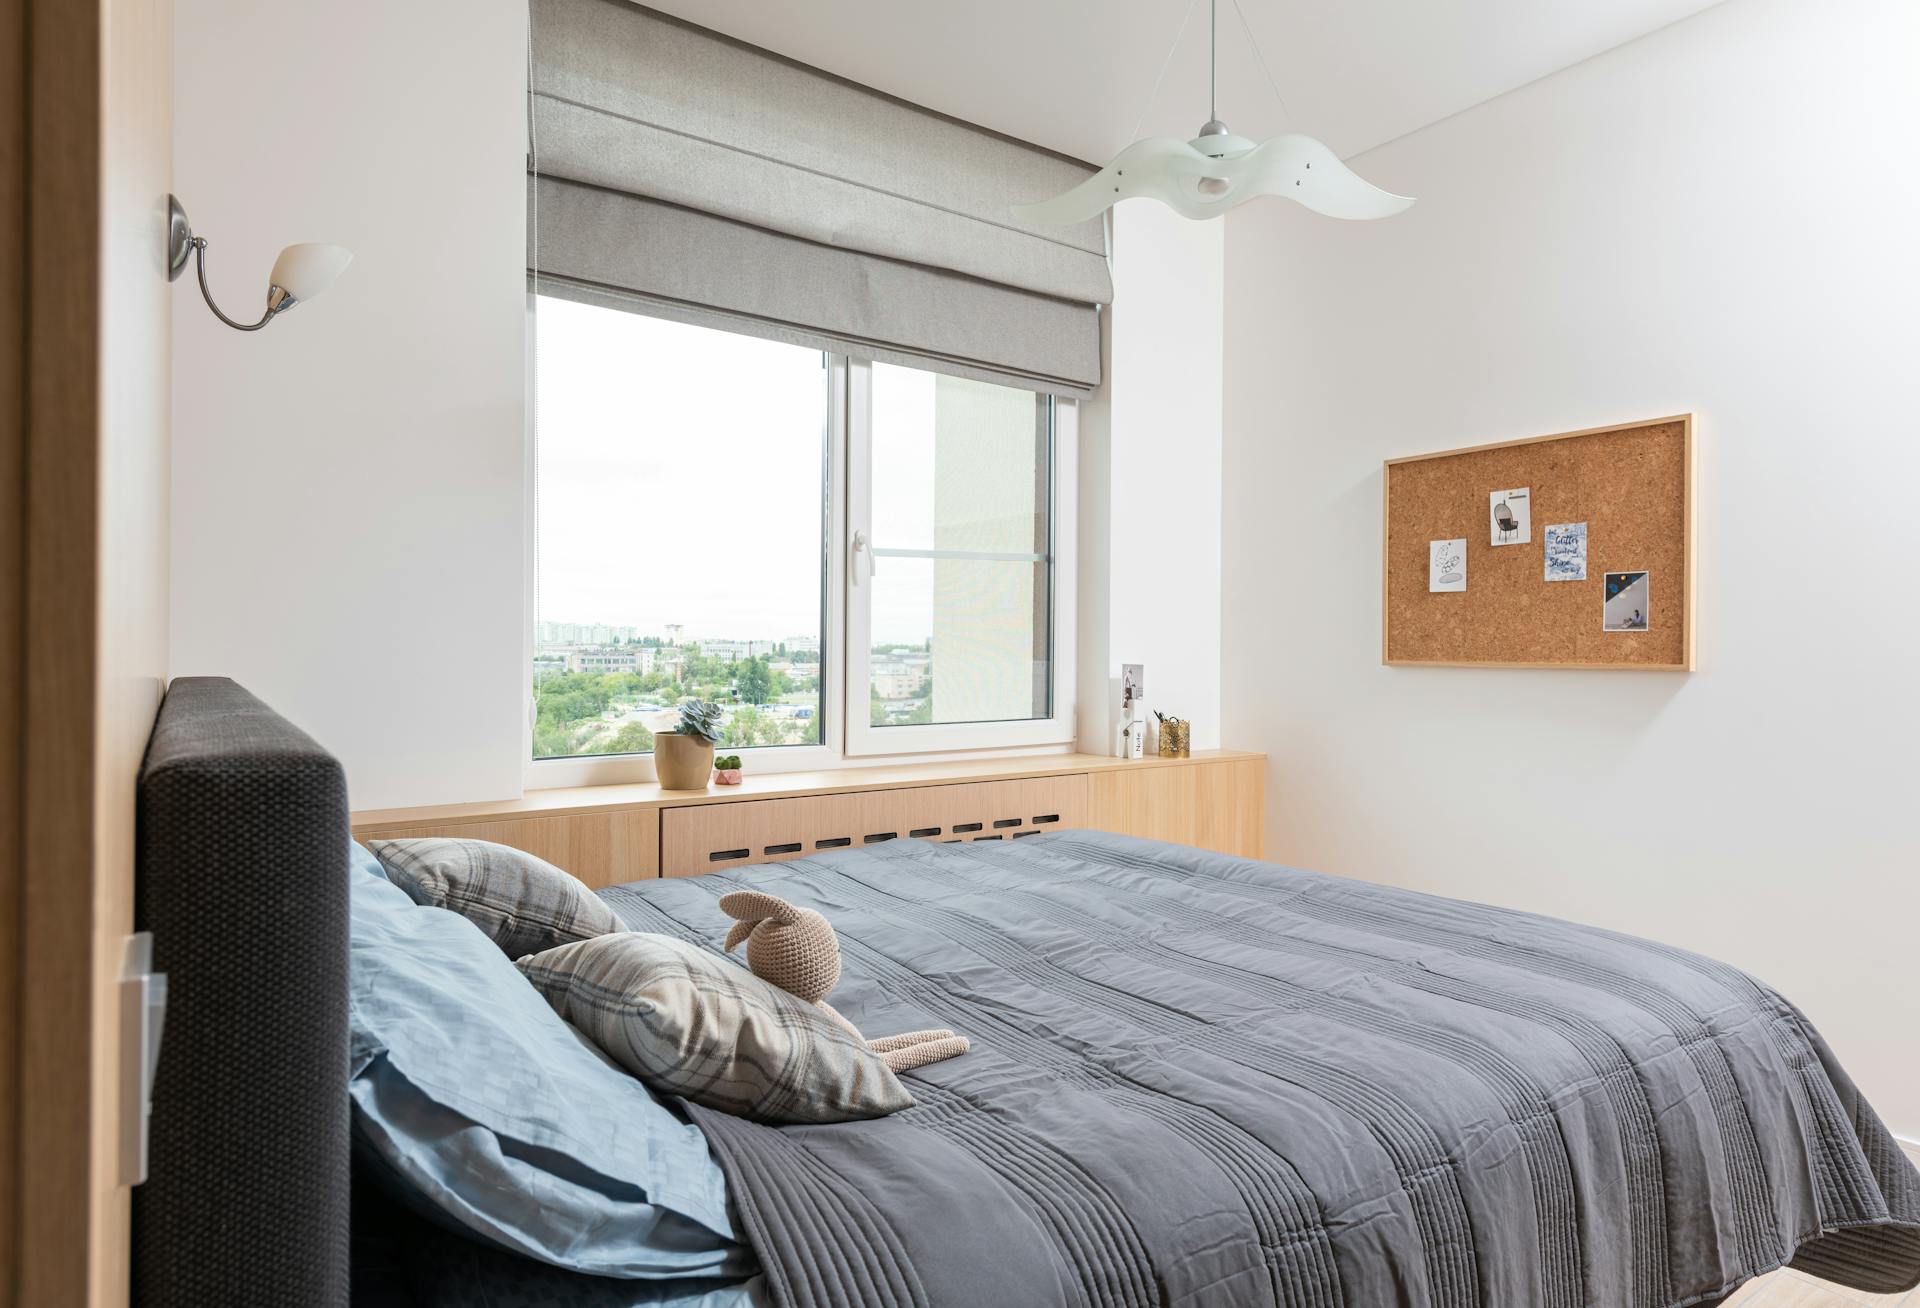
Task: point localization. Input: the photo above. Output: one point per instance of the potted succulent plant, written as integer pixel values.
(683, 744)
(726, 769)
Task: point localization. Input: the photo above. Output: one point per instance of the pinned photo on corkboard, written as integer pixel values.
(1566, 551)
(1447, 566)
(1627, 607)
(1510, 516)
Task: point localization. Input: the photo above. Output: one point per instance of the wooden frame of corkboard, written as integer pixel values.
(1632, 484)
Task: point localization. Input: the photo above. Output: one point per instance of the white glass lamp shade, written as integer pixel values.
(303, 271)
(1207, 176)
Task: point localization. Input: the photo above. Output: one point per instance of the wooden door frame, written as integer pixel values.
(51, 52)
(13, 417)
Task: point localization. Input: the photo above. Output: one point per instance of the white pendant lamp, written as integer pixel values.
(1216, 170)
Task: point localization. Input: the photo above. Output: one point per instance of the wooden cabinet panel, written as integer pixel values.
(602, 849)
(606, 835)
(1219, 806)
(712, 837)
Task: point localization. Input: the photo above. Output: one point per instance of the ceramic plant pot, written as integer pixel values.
(727, 776)
(682, 762)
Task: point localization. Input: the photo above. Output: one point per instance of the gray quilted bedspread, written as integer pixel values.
(1203, 1080)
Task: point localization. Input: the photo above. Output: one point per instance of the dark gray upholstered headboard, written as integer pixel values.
(242, 878)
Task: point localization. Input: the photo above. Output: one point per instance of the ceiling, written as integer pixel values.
(1075, 75)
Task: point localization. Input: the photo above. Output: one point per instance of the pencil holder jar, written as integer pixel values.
(1176, 739)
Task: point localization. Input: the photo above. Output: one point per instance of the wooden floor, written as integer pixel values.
(1789, 1289)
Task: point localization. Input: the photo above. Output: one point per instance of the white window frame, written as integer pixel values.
(864, 740)
(846, 621)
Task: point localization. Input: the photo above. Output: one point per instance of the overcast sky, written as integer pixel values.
(680, 479)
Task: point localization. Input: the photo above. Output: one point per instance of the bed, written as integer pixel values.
(1194, 1080)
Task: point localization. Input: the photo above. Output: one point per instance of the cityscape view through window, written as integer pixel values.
(595, 685)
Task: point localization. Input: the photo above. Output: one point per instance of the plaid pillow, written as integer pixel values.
(692, 1023)
(524, 904)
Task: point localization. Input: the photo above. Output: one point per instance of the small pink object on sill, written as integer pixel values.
(727, 776)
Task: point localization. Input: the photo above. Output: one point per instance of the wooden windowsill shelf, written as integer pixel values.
(569, 800)
(610, 834)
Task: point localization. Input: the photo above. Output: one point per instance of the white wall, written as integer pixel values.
(1150, 529)
(348, 521)
(1720, 218)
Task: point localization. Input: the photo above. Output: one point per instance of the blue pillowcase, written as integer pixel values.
(480, 1107)
(361, 859)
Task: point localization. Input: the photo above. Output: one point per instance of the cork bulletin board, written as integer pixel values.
(1632, 488)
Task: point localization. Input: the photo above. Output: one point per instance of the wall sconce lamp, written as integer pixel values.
(300, 273)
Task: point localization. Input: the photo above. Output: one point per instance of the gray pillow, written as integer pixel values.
(524, 904)
(689, 1022)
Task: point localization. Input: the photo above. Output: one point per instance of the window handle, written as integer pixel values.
(862, 548)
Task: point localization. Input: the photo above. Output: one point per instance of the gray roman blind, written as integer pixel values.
(687, 175)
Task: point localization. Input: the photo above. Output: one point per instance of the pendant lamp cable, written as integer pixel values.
(1286, 115)
(1165, 63)
(1213, 64)
(1213, 59)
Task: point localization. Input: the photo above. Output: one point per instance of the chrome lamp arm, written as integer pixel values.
(277, 299)
(300, 273)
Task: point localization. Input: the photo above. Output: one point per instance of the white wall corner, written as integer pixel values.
(1150, 489)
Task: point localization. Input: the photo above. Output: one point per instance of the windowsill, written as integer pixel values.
(582, 771)
(564, 800)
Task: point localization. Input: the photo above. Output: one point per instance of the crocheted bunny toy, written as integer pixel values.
(796, 949)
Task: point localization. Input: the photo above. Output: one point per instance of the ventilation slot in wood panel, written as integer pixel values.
(1018, 834)
(713, 836)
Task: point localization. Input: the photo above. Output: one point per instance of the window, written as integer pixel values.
(679, 545)
(952, 613)
(854, 558)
